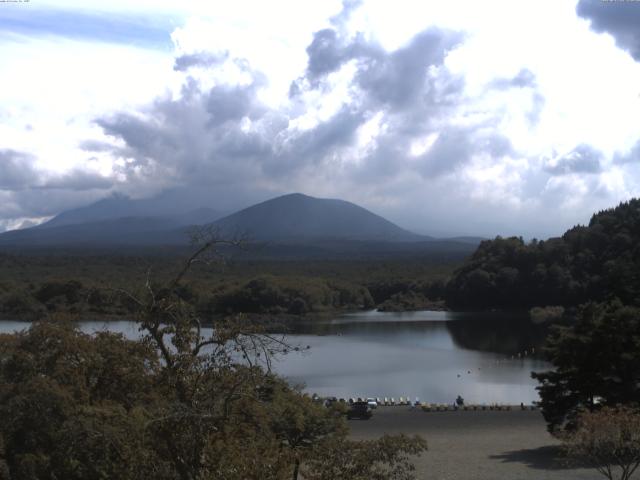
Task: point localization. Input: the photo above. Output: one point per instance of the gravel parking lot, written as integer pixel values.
(479, 445)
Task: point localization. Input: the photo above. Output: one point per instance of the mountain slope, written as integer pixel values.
(297, 217)
(128, 231)
(167, 205)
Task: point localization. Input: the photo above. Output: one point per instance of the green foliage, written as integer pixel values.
(70, 403)
(175, 404)
(591, 263)
(86, 285)
(596, 363)
(409, 301)
(548, 314)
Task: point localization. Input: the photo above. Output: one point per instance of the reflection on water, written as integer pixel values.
(431, 355)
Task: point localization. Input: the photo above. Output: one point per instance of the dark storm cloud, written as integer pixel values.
(17, 170)
(200, 59)
(315, 147)
(225, 103)
(79, 180)
(413, 90)
(400, 78)
(394, 78)
(619, 18)
(582, 159)
(455, 147)
(326, 54)
(26, 192)
(200, 137)
(450, 149)
(40, 202)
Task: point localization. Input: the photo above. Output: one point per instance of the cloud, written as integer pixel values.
(198, 59)
(29, 194)
(618, 18)
(78, 180)
(393, 79)
(630, 157)
(455, 147)
(226, 134)
(582, 159)
(524, 79)
(17, 170)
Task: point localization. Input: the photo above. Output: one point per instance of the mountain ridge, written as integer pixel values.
(294, 222)
(304, 217)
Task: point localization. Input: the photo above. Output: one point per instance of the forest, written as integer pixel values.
(90, 285)
(597, 262)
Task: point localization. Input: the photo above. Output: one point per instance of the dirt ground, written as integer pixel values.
(478, 445)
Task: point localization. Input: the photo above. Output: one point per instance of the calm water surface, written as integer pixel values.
(434, 356)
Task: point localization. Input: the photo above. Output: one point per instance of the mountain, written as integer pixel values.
(293, 226)
(167, 205)
(127, 231)
(300, 218)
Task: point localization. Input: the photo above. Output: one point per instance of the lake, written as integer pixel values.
(434, 356)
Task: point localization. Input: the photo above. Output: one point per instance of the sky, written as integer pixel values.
(448, 117)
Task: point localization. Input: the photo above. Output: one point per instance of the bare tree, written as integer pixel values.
(207, 366)
(608, 440)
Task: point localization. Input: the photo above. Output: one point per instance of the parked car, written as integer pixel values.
(359, 410)
(372, 403)
(330, 401)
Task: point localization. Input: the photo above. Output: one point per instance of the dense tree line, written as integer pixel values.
(596, 363)
(588, 263)
(294, 295)
(263, 294)
(59, 285)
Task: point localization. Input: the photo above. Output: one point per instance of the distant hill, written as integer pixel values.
(128, 231)
(587, 263)
(301, 218)
(292, 226)
(120, 206)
